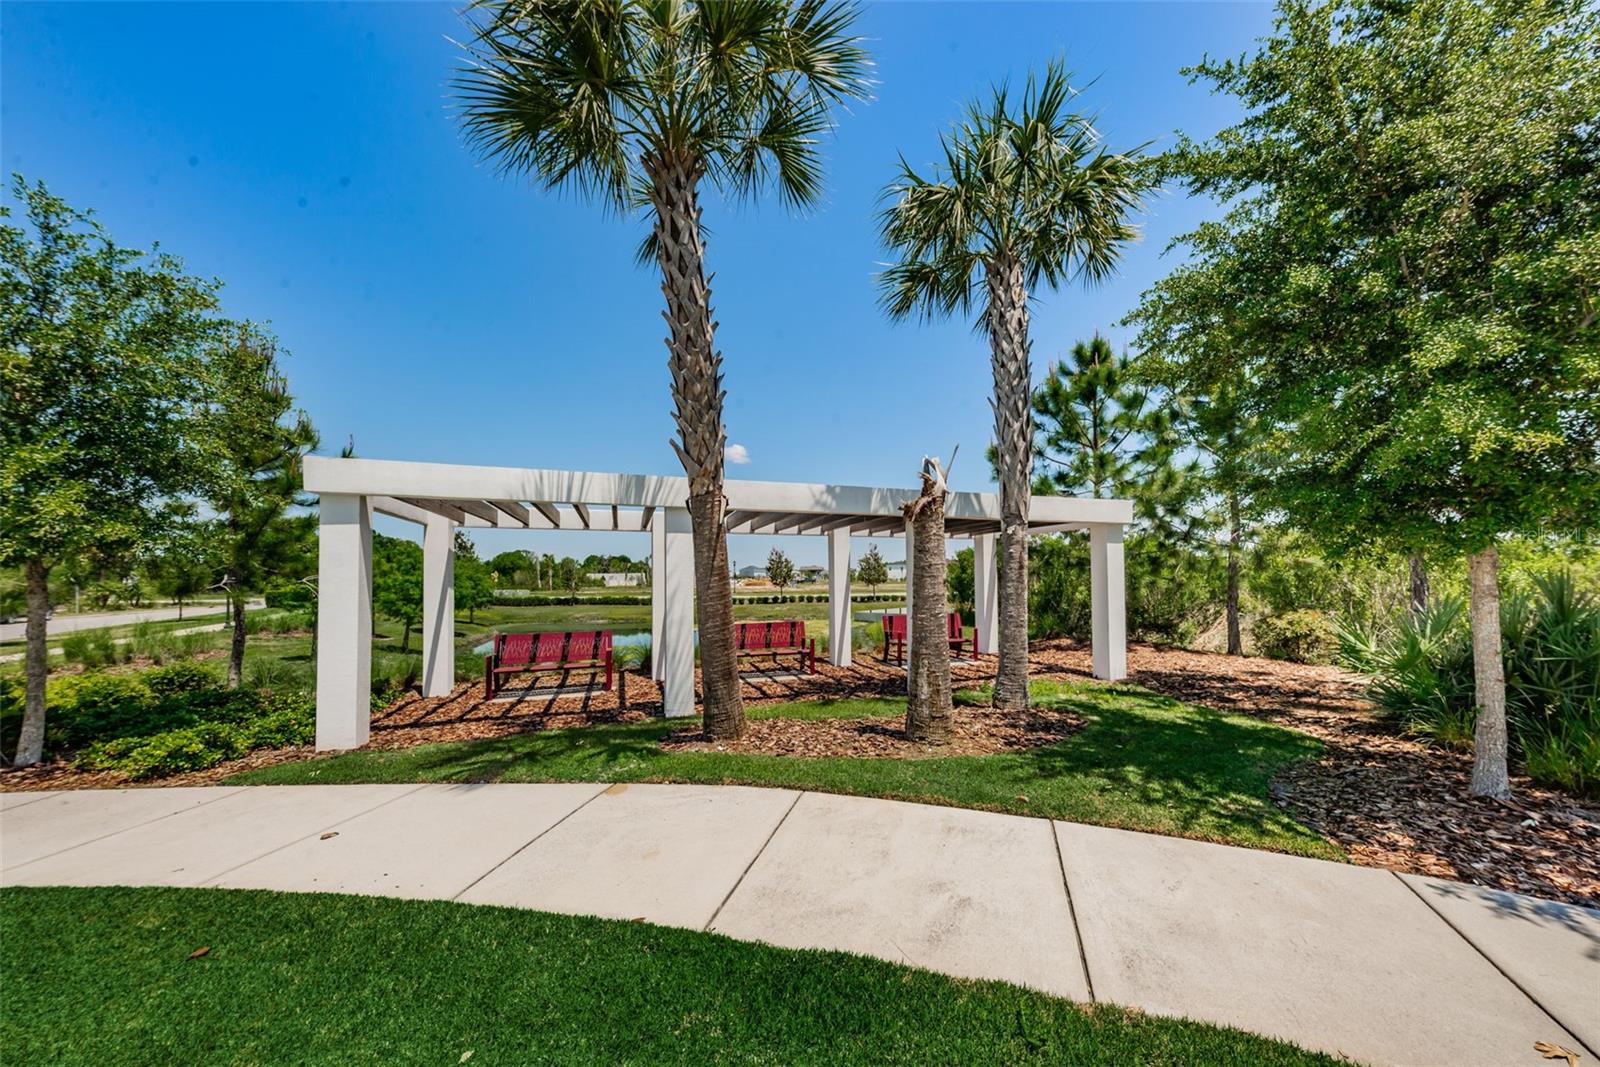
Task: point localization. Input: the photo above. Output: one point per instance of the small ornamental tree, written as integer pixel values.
(100, 371)
(872, 571)
(397, 583)
(780, 570)
(253, 438)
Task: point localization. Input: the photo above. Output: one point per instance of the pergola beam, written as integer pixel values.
(548, 511)
(439, 507)
(515, 510)
(479, 509)
(583, 514)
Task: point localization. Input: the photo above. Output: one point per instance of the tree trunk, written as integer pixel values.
(1489, 775)
(236, 646)
(697, 394)
(1235, 642)
(30, 742)
(929, 712)
(405, 637)
(1013, 432)
(1419, 584)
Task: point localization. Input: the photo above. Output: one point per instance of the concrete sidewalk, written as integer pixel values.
(1383, 968)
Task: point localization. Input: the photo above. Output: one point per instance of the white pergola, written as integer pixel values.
(442, 497)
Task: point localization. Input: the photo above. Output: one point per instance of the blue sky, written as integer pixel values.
(306, 154)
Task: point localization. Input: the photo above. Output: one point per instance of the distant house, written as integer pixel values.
(896, 570)
(617, 578)
(752, 572)
(811, 572)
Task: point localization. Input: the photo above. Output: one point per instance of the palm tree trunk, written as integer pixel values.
(1013, 433)
(929, 712)
(1489, 774)
(30, 742)
(1235, 643)
(236, 646)
(697, 394)
(1419, 584)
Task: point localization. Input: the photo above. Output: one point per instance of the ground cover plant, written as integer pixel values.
(1141, 762)
(111, 976)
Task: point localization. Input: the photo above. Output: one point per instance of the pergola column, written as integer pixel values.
(344, 621)
(1108, 602)
(658, 588)
(839, 614)
(675, 653)
(985, 594)
(438, 607)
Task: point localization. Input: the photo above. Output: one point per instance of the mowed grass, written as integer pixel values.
(105, 976)
(1142, 762)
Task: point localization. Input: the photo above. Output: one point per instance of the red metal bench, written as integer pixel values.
(776, 639)
(894, 634)
(533, 653)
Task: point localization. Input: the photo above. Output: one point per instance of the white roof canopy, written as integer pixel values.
(522, 498)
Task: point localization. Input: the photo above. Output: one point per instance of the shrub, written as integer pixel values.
(1304, 636)
(178, 678)
(1422, 674)
(85, 707)
(245, 722)
(90, 649)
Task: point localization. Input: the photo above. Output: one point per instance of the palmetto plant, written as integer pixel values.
(1027, 195)
(635, 105)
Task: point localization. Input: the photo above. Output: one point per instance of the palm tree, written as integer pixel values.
(635, 104)
(1023, 197)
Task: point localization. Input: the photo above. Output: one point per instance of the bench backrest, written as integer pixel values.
(519, 650)
(760, 636)
(513, 650)
(894, 626)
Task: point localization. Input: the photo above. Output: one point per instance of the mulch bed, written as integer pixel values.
(1388, 799)
(975, 732)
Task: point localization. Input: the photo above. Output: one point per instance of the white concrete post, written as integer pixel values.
(1108, 602)
(658, 588)
(344, 621)
(985, 594)
(438, 607)
(677, 615)
(839, 613)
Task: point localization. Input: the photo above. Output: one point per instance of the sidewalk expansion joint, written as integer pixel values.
(740, 881)
(1072, 911)
(529, 843)
(230, 792)
(1494, 963)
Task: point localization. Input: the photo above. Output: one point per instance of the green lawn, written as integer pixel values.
(1143, 762)
(104, 976)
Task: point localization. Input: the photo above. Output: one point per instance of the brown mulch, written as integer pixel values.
(1388, 799)
(975, 732)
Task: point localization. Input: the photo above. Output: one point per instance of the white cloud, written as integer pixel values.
(736, 454)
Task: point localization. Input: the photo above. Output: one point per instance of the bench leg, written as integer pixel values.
(608, 673)
(488, 678)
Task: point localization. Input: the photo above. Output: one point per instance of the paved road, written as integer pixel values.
(1384, 968)
(66, 624)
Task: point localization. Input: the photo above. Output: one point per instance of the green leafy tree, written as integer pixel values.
(180, 567)
(780, 569)
(636, 105)
(254, 439)
(961, 577)
(1412, 256)
(1027, 197)
(872, 571)
(100, 367)
(397, 583)
(474, 583)
(517, 569)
